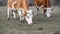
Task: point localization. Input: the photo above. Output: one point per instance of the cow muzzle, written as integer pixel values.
(29, 17)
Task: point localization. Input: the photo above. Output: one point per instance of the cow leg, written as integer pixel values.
(20, 15)
(8, 10)
(29, 17)
(48, 13)
(14, 15)
(37, 8)
(14, 9)
(37, 12)
(45, 12)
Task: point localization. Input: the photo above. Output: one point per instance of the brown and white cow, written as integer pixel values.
(22, 8)
(45, 4)
(10, 7)
(27, 13)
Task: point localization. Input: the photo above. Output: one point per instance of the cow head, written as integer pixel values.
(29, 17)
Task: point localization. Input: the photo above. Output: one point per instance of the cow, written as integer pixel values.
(10, 8)
(45, 4)
(27, 13)
(22, 8)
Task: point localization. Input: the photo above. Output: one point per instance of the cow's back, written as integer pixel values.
(10, 2)
(25, 5)
(38, 2)
(45, 3)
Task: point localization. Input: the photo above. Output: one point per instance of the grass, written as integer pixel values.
(41, 24)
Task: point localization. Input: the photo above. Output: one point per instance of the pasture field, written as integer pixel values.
(41, 24)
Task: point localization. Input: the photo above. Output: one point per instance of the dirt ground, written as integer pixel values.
(41, 24)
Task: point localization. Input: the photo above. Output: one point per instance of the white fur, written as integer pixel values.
(30, 16)
(8, 10)
(20, 12)
(14, 14)
(48, 13)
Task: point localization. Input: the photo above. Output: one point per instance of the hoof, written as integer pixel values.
(11, 14)
(8, 18)
(22, 21)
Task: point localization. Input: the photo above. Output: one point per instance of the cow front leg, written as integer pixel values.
(37, 12)
(8, 10)
(14, 15)
(37, 8)
(14, 12)
(20, 15)
(44, 13)
(48, 13)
